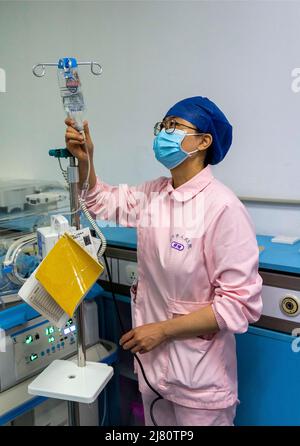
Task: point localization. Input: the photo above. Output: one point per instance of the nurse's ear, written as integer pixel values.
(205, 140)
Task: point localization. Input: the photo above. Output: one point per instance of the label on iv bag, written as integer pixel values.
(73, 84)
(85, 239)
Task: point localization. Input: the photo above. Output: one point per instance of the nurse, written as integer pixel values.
(198, 281)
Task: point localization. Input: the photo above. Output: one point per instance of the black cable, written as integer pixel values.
(113, 294)
(159, 397)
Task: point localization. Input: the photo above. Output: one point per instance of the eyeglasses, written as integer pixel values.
(169, 126)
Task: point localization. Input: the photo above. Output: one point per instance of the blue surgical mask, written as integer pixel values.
(168, 150)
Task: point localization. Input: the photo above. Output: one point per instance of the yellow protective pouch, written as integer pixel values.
(68, 272)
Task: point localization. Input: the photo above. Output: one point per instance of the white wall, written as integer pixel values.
(239, 54)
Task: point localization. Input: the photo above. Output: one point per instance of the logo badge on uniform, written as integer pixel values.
(180, 242)
(177, 246)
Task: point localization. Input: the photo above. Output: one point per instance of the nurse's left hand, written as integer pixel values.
(144, 338)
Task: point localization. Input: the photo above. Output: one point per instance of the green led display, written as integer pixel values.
(70, 322)
(33, 357)
(28, 339)
(51, 339)
(49, 330)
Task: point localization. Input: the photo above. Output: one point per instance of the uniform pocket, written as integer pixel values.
(187, 364)
(181, 307)
(194, 363)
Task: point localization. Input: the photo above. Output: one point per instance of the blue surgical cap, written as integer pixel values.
(208, 118)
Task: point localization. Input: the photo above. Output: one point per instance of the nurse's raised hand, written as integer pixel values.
(75, 141)
(145, 338)
(81, 146)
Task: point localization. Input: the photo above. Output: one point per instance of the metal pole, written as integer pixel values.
(73, 177)
(73, 414)
(75, 221)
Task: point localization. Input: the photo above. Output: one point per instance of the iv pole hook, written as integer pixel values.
(39, 69)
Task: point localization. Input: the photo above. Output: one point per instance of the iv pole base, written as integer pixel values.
(67, 381)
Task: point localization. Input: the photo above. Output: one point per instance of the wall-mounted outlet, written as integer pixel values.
(127, 272)
(131, 273)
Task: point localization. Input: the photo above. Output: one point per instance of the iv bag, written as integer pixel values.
(70, 90)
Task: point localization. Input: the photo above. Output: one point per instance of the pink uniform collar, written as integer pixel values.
(192, 187)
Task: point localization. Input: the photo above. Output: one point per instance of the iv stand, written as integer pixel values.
(56, 380)
(73, 178)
